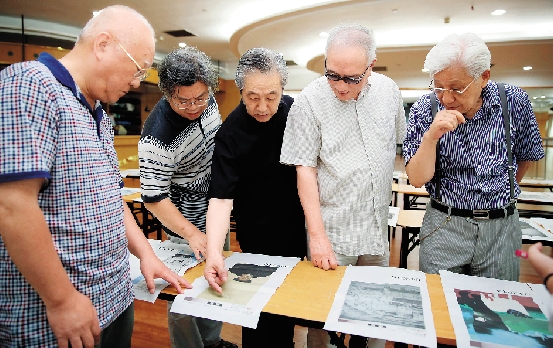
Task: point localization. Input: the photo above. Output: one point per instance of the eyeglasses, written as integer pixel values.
(142, 73)
(183, 105)
(348, 80)
(440, 91)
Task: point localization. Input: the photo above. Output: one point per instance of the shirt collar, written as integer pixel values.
(490, 100)
(64, 77)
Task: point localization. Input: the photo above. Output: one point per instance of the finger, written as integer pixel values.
(197, 254)
(333, 262)
(214, 283)
(325, 264)
(87, 339)
(62, 343)
(150, 284)
(96, 330)
(76, 342)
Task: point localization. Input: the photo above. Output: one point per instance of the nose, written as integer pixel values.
(262, 106)
(447, 97)
(135, 83)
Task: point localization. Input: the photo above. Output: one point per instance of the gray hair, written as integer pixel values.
(110, 19)
(262, 60)
(466, 50)
(352, 35)
(184, 67)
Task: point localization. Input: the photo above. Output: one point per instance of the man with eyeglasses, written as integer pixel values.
(174, 154)
(471, 224)
(341, 135)
(66, 232)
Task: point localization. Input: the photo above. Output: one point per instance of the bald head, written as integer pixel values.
(119, 20)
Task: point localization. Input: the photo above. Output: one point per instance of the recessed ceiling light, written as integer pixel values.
(535, 98)
(424, 70)
(498, 12)
(527, 68)
(182, 44)
(323, 34)
(543, 97)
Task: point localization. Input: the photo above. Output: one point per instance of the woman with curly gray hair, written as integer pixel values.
(175, 152)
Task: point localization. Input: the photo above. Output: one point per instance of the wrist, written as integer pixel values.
(547, 279)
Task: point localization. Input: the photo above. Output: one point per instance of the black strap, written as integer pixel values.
(437, 171)
(507, 124)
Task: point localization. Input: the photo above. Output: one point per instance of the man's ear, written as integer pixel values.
(485, 77)
(101, 43)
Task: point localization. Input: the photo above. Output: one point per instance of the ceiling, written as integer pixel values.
(405, 30)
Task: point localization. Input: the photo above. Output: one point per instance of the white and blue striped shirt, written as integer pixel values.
(473, 158)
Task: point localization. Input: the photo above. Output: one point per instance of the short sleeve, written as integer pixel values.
(28, 130)
(225, 172)
(528, 144)
(157, 166)
(301, 143)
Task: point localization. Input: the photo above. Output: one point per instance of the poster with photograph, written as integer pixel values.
(178, 257)
(383, 302)
(252, 280)
(489, 312)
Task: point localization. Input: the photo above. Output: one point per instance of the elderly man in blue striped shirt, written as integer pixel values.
(461, 155)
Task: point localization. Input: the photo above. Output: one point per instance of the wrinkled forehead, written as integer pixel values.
(342, 56)
(262, 83)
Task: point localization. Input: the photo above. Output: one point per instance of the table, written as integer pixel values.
(408, 191)
(537, 183)
(411, 223)
(149, 222)
(307, 294)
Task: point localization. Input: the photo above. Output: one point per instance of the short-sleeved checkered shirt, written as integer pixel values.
(48, 130)
(473, 158)
(353, 146)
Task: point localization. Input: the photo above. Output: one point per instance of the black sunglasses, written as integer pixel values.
(348, 80)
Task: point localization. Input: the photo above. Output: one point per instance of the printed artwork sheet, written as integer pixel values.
(383, 302)
(178, 257)
(495, 313)
(252, 280)
(393, 215)
(536, 229)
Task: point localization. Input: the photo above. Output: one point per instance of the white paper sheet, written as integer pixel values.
(530, 196)
(489, 312)
(383, 302)
(178, 257)
(393, 215)
(533, 231)
(125, 191)
(135, 173)
(252, 280)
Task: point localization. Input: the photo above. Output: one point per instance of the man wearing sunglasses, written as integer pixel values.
(471, 224)
(341, 135)
(175, 151)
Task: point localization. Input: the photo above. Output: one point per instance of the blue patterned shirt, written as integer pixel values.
(474, 156)
(48, 130)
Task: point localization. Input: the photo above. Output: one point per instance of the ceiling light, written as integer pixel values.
(543, 97)
(535, 98)
(498, 12)
(425, 70)
(527, 68)
(182, 44)
(323, 34)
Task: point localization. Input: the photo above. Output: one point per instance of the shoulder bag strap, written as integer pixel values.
(507, 124)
